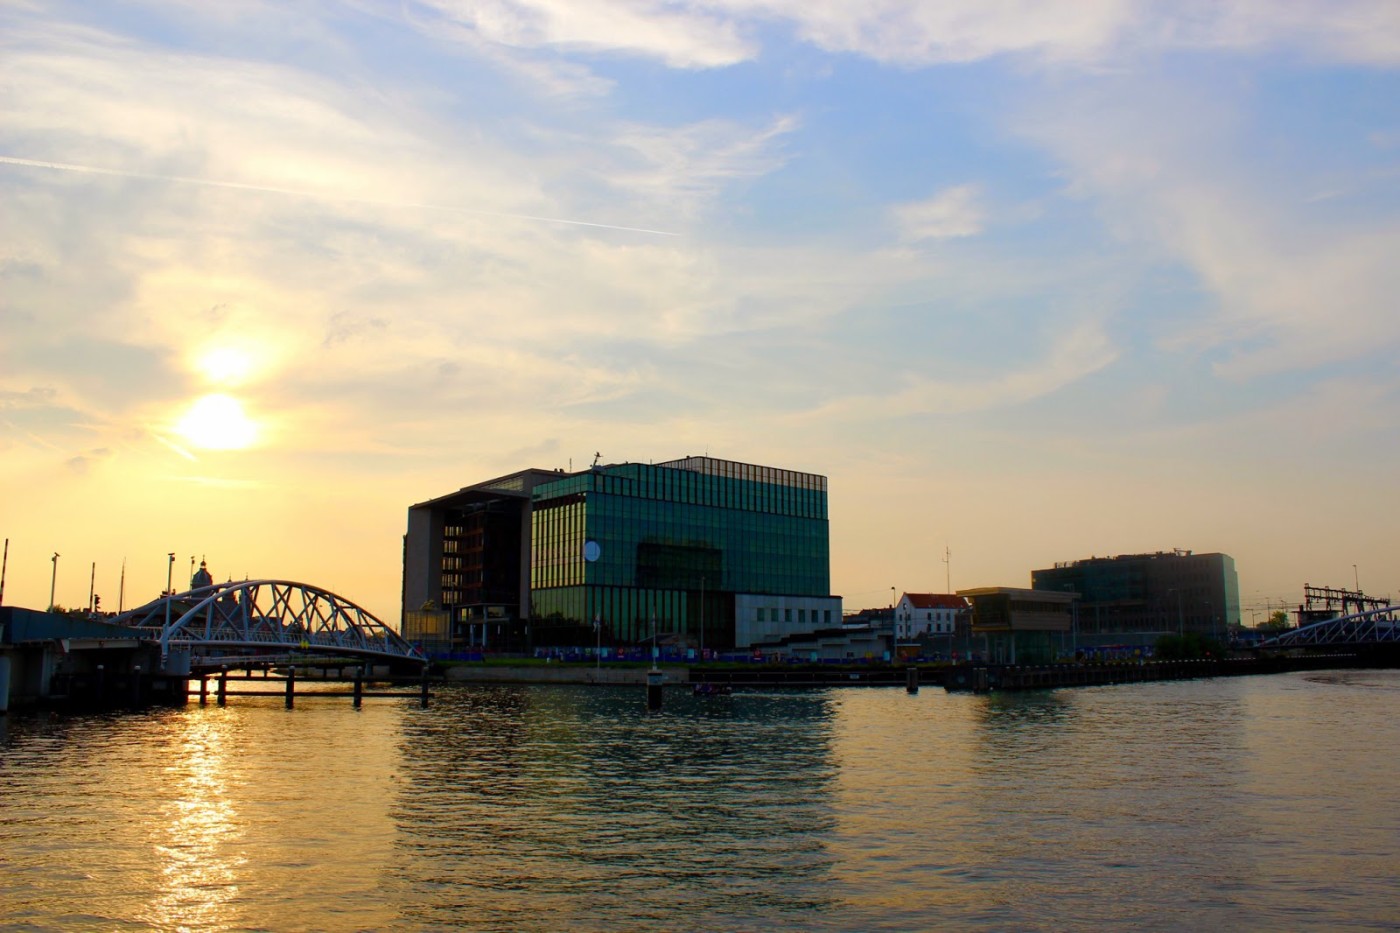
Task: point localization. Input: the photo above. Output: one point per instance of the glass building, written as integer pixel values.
(700, 551)
(1167, 592)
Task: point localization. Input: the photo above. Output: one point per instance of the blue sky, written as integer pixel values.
(1028, 281)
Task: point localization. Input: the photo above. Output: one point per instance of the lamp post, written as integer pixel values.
(53, 579)
(169, 592)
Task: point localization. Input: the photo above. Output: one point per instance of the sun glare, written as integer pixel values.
(217, 422)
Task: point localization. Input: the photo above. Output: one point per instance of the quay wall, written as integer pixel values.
(561, 674)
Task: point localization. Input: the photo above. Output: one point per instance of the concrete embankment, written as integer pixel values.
(561, 674)
(975, 678)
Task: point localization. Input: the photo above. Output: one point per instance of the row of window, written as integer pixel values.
(675, 546)
(771, 613)
(681, 486)
(630, 615)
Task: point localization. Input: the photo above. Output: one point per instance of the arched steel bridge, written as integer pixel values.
(1372, 627)
(268, 617)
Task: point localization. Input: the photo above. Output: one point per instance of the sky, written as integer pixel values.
(1028, 281)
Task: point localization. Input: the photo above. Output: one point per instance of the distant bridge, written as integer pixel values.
(269, 617)
(1372, 627)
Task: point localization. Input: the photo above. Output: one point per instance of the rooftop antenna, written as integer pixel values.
(948, 567)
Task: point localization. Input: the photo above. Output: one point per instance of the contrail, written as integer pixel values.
(292, 192)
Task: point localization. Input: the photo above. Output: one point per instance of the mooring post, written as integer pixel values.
(911, 680)
(101, 683)
(291, 684)
(655, 689)
(223, 686)
(135, 686)
(203, 690)
(423, 700)
(359, 686)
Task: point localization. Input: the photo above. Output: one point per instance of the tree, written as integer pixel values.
(1276, 622)
(1187, 647)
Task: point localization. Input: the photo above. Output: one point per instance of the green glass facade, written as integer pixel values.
(674, 542)
(1166, 591)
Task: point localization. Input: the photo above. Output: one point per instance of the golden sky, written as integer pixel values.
(1032, 283)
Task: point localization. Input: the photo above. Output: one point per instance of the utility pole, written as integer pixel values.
(3, 567)
(948, 568)
(121, 591)
(92, 586)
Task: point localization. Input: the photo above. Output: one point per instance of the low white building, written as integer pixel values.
(923, 614)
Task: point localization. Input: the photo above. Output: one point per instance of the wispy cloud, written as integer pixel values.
(953, 212)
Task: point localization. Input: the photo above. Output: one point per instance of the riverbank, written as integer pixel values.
(955, 677)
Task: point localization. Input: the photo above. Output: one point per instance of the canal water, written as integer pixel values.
(1257, 803)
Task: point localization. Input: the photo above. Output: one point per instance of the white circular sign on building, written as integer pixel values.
(591, 550)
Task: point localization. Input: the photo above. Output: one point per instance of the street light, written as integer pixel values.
(169, 592)
(53, 579)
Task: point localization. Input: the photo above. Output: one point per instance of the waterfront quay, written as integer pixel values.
(976, 678)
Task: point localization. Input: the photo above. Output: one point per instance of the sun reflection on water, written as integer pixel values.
(198, 856)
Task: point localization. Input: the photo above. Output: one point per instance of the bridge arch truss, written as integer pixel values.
(268, 617)
(1372, 627)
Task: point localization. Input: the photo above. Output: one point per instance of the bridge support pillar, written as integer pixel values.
(291, 685)
(223, 686)
(359, 686)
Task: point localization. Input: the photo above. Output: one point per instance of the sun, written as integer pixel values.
(217, 422)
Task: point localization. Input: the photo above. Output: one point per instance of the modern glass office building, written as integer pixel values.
(700, 551)
(1159, 593)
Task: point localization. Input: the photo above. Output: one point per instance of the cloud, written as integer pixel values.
(82, 462)
(912, 33)
(681, 35)
(36, 397)
(953, 212)
(1069, 357)
(1286, 283)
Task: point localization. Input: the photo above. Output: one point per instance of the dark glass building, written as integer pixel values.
(1166, 592)
(700, 551)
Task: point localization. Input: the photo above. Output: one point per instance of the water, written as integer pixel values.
(1248, 803)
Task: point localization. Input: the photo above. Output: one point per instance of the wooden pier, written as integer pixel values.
(199, 686)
